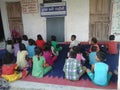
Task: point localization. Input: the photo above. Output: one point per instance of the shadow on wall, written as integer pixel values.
(1, 29)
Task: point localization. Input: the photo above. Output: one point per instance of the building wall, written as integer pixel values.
(76, 21)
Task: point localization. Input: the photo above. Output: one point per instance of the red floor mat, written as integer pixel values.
(61, 81)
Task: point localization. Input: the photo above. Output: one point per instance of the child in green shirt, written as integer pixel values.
(40, 68)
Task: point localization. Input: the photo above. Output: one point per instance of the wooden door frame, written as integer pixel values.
(110, 19)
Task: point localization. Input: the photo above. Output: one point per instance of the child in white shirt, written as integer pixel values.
(74, 42)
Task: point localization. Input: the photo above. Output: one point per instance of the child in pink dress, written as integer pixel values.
(79, 56)
(47, 53)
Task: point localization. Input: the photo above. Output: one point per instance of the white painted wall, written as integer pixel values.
(76, 21)
(34, 24)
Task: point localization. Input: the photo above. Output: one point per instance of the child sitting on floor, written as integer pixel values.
(9, 46)
(100, 76)
(22, 60)
(55, 46)
(79, 55)
(72, 67)
(30, 48)
(40, 42)
(9, 69)
(74, 42)
(92, 55)
(112, 45)
(25, 40)
(16, 46)
(39, 64)
(47, 53)
(93, 42)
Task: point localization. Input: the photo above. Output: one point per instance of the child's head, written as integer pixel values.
(47, 47)
(17, 40)
(100, 56)
(76, 49)
(8, 58)
(112, 37)
(31, 42)
(22, 47)
(9, 42)
(94, 49)
(25, 37)
(53, 38)
(93, 40)
(39, 37)
(38, 52)
(73, 37)
(72, 54)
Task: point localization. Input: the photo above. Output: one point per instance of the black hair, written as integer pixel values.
(22, 46)
(47, 47)
(25, 37)
(17, 40)
(31, 42)
(112, 37)
(53, 38)
(94, 40)
(38, 51)
(39, 37)
(49, 42)
(76, 49)
(94, 49)
(9, 42)
(74, 36)
(8, 58)
(72, 54)
(101, 56)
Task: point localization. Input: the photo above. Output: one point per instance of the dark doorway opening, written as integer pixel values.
(2, 37)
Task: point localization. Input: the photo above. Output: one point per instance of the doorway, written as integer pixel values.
(55, 26)
(99, 19)
(15, 17)
(2, 37)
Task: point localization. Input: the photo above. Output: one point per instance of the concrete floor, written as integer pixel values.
(23, 85)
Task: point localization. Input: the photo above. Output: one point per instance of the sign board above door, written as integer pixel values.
(53, 9)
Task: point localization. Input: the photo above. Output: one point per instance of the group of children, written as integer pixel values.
(38, 57)
(35, 57)
(99, 72)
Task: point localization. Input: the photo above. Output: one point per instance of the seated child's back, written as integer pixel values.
(9, 70)
(92, 55)
(22, 57)
(72, 67)
(30, 48)
(40, 42)
(39, 68)
(100, 76)
(49, 57)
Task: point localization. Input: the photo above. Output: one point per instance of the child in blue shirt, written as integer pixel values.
(100, 76)
(30, 48)
(92, 55)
